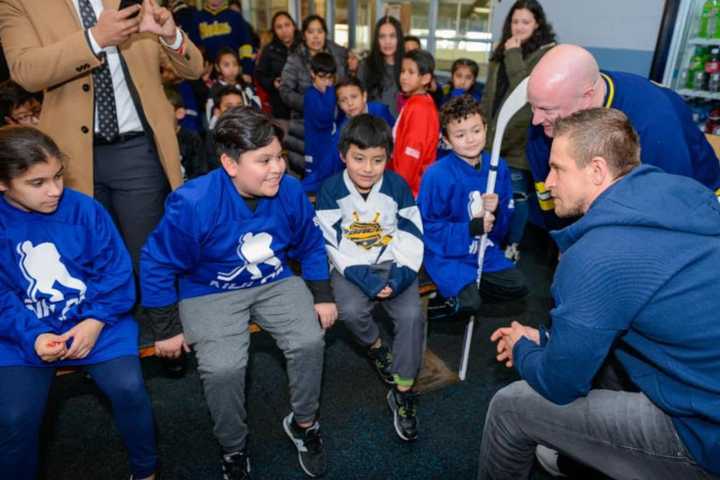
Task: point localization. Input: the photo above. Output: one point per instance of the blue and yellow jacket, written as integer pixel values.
(668, 136)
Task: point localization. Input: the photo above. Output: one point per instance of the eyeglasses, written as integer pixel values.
(27, 116)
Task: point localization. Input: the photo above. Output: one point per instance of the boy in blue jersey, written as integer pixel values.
(456, 213)
(218, 259)
(373, 236)
(321, 159)
(66, 291)
(352, 100)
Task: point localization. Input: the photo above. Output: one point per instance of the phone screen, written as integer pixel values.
(129, 3)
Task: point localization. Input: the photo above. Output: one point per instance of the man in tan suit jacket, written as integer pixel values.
(50, 47)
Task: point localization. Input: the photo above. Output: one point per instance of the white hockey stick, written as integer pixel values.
(514, 102)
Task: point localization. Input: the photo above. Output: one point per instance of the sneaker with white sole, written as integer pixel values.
(548, 460)
(402, 405)
(309, 444)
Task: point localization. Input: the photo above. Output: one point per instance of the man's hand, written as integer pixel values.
(50, 347)
(84, 335)
(171, 347)
(506, 337)
(490, 202)
(327, 313)
(385, 292)
(158, 20)
(114, 27)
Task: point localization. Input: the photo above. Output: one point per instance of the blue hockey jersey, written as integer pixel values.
(668, 136)
(226, 28)
(360, 232)
(321, 138)
(59, 269)
(209, 241)
(445, 195)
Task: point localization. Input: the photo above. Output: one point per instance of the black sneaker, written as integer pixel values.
(402, 405)
(236, 466)
(309, 444)
(382, 361)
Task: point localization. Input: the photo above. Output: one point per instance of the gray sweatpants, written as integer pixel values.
(622, 434)
(216, 326)
(405, 310)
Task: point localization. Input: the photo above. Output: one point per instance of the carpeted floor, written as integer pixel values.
(81, 440)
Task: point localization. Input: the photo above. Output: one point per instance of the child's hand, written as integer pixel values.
(385, 292)
(488, 222)
(277, 82)
(490, 202)
(50, 347)
(84, 336)
(171, 347)
(327, 314)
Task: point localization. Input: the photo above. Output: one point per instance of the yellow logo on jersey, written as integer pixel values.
(214, 29)
(544, 198)
(367, 235)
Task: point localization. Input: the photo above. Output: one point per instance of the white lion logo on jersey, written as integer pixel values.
(254, 250)
(43, 269)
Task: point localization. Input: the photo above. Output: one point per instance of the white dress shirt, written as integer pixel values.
(128, 118)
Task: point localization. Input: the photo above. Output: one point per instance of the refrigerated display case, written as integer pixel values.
(692, 66)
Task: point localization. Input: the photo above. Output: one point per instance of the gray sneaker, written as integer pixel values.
(309, 444)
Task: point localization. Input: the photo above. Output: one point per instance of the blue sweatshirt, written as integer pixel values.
(639, 273)
(57, 270)
(451, 257)
(361, 232)
(668, 136)
(321, 138)
(210, 241)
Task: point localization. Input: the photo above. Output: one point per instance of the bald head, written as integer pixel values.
(565, 80)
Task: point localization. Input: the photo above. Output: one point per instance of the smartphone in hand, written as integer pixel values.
(129, 3)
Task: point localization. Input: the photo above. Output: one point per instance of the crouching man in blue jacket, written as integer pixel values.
(637, 281)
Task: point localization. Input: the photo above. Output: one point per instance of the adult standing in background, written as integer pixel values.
(104, 103)
(526, 37)
(380, 71)
(295, 78)
(285, 38)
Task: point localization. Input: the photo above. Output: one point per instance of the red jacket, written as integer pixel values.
(416, 135)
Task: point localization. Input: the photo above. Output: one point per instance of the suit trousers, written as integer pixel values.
(131, 184)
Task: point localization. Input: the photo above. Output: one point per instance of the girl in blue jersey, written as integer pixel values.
(66, 287)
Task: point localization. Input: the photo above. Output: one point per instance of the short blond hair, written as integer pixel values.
(601, 132)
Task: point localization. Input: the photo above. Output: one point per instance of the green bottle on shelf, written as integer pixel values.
(697, 65)
(708, 19)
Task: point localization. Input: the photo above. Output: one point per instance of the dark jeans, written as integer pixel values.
(131, 184)
(23, 397)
